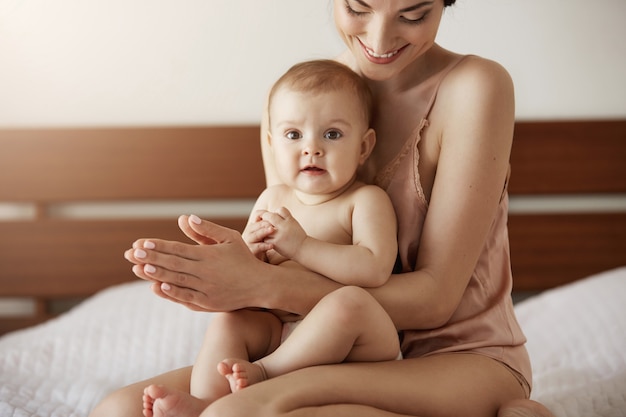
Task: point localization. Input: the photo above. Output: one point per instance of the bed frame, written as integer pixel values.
(47, 255)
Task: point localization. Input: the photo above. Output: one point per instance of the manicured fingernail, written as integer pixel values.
(165, 286)
(140, 253)
(149, 245)
(149, 269)
(195, 219)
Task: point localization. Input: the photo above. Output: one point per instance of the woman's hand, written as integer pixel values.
(216, 275)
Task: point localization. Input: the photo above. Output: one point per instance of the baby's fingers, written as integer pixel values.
(258, 215)
(258, 232)
(259, 248)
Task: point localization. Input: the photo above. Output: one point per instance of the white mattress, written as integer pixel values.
(577, 343)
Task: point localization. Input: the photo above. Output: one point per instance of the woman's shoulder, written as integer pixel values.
(472, 74)
(476, 83)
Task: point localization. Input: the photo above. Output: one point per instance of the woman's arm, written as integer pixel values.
(473, 118)
(222, 274)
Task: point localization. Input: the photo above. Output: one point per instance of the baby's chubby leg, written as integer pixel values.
(346, 325)
(243, 334)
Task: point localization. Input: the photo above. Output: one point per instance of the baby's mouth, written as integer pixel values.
(312, 169)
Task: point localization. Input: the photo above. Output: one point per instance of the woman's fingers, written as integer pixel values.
(165, 267)
(184, 223)
(165, 261)
(151, 249)
(206, 277)
(172, 293)
(208, 231)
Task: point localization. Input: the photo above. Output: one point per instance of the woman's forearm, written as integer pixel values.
(290, 288)
(410, 299)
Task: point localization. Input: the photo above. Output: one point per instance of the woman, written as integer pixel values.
(444, 125)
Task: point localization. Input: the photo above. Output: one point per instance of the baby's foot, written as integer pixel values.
(241, 373)
(160, 401)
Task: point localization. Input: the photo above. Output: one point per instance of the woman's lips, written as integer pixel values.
(383, 58)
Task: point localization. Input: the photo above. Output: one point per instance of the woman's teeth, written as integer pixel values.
(375, 55)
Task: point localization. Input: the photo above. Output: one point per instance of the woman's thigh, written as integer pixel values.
(439, 385)
(128, 402)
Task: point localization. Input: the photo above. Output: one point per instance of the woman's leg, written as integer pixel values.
(346, 325)
(452, 385)
(247, 333)
(524, 408)
(127, 401)
(244, 334)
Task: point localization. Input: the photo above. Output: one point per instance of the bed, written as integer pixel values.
(76, 324)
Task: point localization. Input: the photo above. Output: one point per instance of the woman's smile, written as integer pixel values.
(383, 58)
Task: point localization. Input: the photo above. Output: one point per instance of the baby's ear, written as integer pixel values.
(367, 145)
(268, 138)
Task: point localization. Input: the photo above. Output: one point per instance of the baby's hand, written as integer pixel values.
(255, 235)
(288, 235)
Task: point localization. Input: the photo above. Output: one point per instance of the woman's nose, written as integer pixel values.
(380, 35)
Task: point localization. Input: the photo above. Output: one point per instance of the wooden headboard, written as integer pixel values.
(51, 250)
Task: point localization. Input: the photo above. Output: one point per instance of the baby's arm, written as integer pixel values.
(368, 262)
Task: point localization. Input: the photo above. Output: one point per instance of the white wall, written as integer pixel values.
(158, 62)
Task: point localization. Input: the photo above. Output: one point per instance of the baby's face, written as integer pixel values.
(317, 139)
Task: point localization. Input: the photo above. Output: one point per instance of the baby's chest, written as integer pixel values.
(332, 225)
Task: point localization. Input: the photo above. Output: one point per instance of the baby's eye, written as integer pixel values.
(332, 135)
(293, 135)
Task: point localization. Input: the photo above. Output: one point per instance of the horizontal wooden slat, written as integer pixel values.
(553, 249)
(92, 163)
(130, 163)
(65, 258)
(569, 157)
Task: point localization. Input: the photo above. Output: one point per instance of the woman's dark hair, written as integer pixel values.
(448, 2)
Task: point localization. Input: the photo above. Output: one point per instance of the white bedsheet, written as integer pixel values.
(577, 343)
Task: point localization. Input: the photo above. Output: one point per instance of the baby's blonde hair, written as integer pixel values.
(322, 76)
